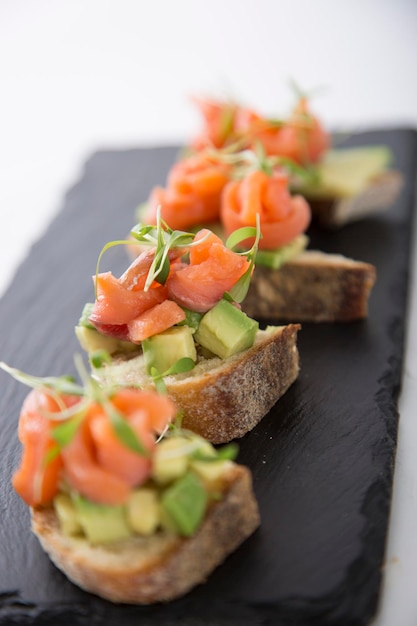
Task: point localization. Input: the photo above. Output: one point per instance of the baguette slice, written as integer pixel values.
(312, 287)
(378, 196)
(224, 399)
(159, 568)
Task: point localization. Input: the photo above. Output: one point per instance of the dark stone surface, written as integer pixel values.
(322, 459)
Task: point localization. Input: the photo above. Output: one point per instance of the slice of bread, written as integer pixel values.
(144, 570)
(224, 399)
(378, 196)
(312, 287)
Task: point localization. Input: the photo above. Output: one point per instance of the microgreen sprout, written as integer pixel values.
(226, 452)
(238, 292)
(182, 365)
(249, 160)
(162, 239)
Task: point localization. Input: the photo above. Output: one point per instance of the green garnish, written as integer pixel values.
(227, 452)
(240, 289)
(65, 432)
(123, 430)
(100, 358)
(182, 365)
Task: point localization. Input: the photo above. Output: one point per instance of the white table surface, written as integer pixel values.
(80, 75)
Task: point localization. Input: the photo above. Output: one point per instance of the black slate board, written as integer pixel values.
(322, 460)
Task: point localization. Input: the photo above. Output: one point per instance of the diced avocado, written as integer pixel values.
(170, 459)
(85, 315)
(344, 173)
(276, 258)
(101, 523)
(226, 330)
(162, 351)
(202, 448)
(143, 510)
(91, 340)
(210, 472)
(184, 503)
(67, 515)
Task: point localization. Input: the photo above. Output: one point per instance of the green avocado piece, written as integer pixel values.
(91, 340)
(184, 504)
(276, 258)
(226, 330)
(143, 510)
(162, 351)
(85, 316)
(346, 172)
(101, 523)
(67, 515)
(170, 459)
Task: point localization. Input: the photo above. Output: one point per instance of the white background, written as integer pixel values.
(79, 75)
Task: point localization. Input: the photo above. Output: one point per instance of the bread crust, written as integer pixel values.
(223, 400)
(227, 403)
(379, 195)
(312, 287)
(162, 567)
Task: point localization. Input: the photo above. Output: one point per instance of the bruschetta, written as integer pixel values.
(175, 318)
(343, 184)
(130, 506)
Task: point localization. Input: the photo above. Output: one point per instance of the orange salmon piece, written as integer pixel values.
(203, 241)
(199, 287)
(116, 304)
(160, 410)
(282, 217)
(115, 457)
(36, 480)
(155, 320)
(86, 475)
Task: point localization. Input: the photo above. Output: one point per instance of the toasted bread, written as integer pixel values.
(144, 570)
(378, 196)
(224, 399)
(312, 287)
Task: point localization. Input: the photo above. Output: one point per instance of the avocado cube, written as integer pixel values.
(162, 351)
(102, 523)
(211, 472)
(85, 315)
(226, 330)
(276, 258)
(345, 173)
(143, 511)
(67, 515)
(91, 340)
(170, 460)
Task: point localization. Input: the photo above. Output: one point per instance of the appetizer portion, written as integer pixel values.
(128, 504)
(290, 283)
(343, 184)
(174, 319)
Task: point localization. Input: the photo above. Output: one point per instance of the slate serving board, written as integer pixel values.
(322, 460)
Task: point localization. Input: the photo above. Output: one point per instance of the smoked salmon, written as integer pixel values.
(192, 193)
(125, 311)
(282, 216)
(300, 137)
(95, 462)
